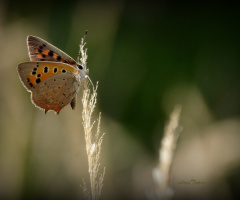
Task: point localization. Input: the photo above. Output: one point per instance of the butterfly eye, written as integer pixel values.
(80, 66)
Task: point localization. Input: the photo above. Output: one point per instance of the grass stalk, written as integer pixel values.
(161, 173)
(93, 139)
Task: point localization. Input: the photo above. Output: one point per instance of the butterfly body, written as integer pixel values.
(52, 77)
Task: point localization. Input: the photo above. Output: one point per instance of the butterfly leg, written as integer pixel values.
(73, 102)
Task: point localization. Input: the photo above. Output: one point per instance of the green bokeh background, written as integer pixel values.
(141, 53)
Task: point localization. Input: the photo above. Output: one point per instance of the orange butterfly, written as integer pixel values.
(52, 76)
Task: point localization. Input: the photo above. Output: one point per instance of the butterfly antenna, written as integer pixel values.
(79, 54)
(85, 35)
(82, 43)
(90, 81)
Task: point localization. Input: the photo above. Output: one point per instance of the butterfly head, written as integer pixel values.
(83, 71)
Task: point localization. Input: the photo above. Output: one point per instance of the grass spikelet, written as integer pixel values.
(93, 140)
(161, 173)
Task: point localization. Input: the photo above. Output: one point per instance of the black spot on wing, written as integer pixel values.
(59, 58)
(45, 69)
(50, 53)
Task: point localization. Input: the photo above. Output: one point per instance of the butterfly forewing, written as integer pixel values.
(41, 50)
(33, 73)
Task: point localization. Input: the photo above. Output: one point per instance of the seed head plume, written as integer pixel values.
(93, 139)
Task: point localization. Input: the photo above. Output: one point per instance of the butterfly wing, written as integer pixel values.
(56, 92)
(41, 50)
(33, 73)
(53, 85)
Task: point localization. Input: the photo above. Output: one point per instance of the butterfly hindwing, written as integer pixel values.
(55, 92)
(41, 50)
(33, 73)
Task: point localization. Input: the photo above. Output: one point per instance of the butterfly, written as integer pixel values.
(52, 77)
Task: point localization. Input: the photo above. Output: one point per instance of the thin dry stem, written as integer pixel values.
(86, 194)
(93, 140)
(83, 52)
(161, 173)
